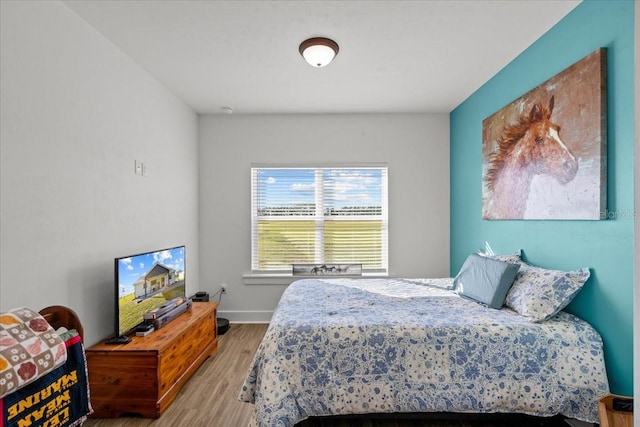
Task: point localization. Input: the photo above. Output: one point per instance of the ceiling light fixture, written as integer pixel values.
(318, 51)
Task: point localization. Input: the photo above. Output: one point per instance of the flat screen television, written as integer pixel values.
(144, 282)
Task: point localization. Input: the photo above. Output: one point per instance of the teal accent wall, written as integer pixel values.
(605, 246)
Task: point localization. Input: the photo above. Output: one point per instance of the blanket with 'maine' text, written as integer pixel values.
(58, 399)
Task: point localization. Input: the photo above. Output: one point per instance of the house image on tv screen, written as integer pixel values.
(158, 279)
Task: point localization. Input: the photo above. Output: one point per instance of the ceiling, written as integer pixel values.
(395, 56)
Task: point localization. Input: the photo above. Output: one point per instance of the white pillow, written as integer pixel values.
(510, 258)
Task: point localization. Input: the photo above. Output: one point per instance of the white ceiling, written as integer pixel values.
(395, 56)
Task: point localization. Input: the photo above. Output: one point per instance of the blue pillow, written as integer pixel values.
(485, 280)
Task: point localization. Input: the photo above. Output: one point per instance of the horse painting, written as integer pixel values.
(532, 146)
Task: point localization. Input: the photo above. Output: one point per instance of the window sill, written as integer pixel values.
(287, 279)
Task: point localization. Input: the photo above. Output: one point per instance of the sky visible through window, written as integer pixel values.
(342, 187)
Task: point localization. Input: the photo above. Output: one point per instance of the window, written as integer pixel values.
(313, 215)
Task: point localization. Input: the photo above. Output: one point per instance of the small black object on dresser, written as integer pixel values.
(200, 296)
(622, 404)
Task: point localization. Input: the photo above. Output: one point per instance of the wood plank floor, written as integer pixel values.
(210, 397)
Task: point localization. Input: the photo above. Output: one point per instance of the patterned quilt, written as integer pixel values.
(29, 349)
(354, 346)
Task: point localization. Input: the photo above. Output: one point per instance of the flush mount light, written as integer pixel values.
(318, 51)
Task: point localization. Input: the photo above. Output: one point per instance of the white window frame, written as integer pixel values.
(319, 214)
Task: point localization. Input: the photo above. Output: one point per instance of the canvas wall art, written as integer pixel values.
(544, 154)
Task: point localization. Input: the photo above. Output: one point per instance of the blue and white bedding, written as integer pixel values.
(355, 346)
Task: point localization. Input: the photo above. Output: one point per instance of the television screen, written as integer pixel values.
(146, 281)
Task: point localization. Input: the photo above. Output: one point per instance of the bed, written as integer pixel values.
(340, 346)
(43, 374)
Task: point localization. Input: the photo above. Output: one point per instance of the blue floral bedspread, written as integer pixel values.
(354, 346)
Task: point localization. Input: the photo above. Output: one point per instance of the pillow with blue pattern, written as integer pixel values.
(539, 294)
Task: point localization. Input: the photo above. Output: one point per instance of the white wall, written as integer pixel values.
(76, 112)
(416, 148)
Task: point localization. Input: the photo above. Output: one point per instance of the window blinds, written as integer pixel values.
(306, 215)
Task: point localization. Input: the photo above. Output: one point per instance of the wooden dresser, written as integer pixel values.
(144, 376)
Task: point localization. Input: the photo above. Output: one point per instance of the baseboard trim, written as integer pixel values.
(246, 316)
